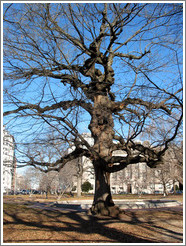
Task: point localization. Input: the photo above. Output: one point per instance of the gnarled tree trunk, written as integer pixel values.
(103, 203)
(101, 127)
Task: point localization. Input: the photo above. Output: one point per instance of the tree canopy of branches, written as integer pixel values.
(114, 67)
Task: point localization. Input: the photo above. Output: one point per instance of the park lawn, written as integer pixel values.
(24, 224)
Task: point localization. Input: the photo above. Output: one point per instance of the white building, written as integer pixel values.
(135, 178)
(88, 170)
(9, 162)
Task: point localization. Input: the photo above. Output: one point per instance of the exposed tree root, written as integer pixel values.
(100, 208)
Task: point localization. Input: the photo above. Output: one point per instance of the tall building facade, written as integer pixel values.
(9, 162)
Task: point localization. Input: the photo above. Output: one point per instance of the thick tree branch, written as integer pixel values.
(63, 104)
(118, 163)
(60, 163)
(130, 56)
(119, 106)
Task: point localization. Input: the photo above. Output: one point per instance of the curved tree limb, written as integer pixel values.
(63, 104)
(58, 164)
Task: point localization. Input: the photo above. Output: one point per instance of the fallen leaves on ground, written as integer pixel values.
(24, 224)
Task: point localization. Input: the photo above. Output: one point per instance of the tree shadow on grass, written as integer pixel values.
(75, 227)
(165, 227)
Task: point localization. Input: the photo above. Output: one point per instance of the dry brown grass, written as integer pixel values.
(24, 224)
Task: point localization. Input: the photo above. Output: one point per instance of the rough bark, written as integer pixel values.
(101, 127)
(103, 203)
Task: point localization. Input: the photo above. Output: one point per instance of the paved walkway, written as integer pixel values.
(81, 205)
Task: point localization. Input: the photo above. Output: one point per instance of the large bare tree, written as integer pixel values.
(115, 67)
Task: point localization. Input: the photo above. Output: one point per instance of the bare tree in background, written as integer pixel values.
(49, 182)
(115, 67)
(23, 182)
(49, 149)
(163, 176)
(28, 180)
(174, 156)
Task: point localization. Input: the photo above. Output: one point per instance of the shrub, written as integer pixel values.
(86, 186)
